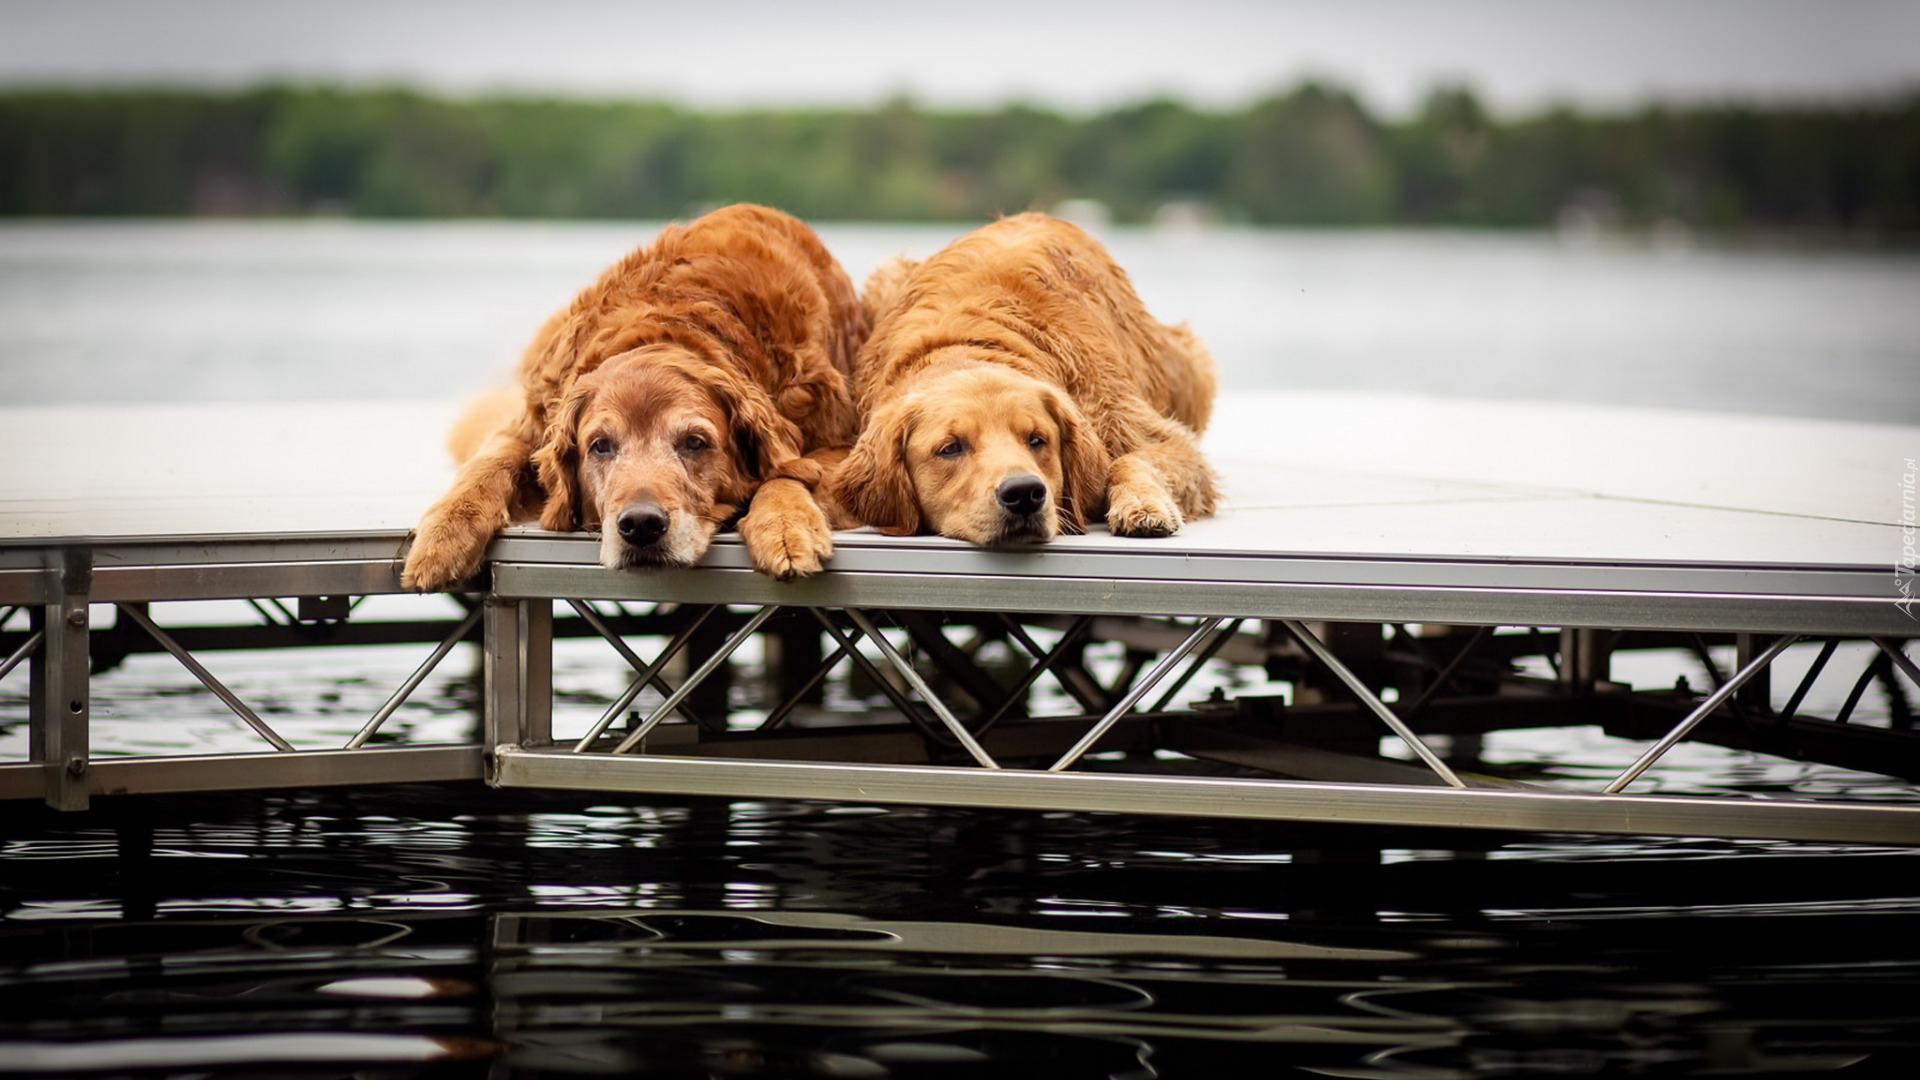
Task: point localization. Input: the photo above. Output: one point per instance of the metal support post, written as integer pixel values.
(61, 703)
(794, 659)
(1586, 659)
(504, 714)
(1063, 662)
(710, 699)
(536, 673)
(1213, 649)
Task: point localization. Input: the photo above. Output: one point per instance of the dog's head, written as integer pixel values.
(656, 450)
(976, 452)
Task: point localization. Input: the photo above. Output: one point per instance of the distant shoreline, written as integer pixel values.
(1311, 156)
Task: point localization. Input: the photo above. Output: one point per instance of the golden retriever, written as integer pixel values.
(696, 374)
(1014, 387)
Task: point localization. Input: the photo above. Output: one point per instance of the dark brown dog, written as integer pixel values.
(1014, 387)
(695, 375)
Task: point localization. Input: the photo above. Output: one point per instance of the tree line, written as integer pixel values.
(1311, 155)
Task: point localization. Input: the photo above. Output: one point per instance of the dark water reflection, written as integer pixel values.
(461, 932)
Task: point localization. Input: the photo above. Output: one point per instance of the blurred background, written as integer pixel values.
(1707, 204)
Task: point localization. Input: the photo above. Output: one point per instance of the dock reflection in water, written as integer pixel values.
(462, 932)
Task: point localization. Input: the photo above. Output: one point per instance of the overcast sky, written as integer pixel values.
(1079, 56)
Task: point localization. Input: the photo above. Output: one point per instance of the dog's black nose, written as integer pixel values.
(642, 524)
(1023, 495)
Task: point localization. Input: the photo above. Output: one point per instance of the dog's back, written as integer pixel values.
(1049, 297)
(739, 267)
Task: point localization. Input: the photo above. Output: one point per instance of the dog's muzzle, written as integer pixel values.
(1022, 496)
(643, 524)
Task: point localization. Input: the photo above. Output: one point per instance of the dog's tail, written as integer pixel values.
(884, 286)
(1191, 376)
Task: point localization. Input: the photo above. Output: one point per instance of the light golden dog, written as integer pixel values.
(696, 374)
(1014, 387)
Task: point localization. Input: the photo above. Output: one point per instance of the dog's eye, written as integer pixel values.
(693, 444)
(601, 447)
(952, 448)
(1036, 441)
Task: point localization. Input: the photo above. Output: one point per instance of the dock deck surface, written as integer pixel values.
(1305, 474)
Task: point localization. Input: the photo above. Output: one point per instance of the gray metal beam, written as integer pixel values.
(245, 772)
(239, 581)
(1464, 605)
(867, 554)
(1279, 800)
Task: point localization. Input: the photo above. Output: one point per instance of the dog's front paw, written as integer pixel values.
(446, 551)
(786, 533)
(1142, 513)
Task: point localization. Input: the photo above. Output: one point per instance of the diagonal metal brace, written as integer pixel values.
(1372, 701)
(1090, 699)
(1139, 690)
(648, 673)
(240, 709)
(780, 713)
(413, 681)
(719, 657)
(1213, 649)
(886, 685)
(1899, 656)
(920, 686)
(674, 645)
(1042, 665)
(900, 700)
(1692, 719)
(25, 650)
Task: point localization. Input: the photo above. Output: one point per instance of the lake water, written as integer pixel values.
(262, 311)
(430, 931)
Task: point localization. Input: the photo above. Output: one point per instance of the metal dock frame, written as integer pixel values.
(57, 584)
(1174, 607)
(1765, 609)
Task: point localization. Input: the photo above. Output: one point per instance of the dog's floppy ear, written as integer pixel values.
(872, 483)
(558, 461)
(763, 439)
(1083, 465)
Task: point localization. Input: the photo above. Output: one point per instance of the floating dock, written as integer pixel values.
(1400, 564)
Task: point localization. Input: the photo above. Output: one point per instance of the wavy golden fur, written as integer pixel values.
(704, 370)
(1015, 387)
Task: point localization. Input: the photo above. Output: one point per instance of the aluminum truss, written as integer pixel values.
(981, 761)
(907, 623)
(59, 586)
